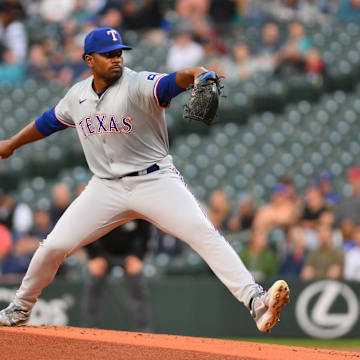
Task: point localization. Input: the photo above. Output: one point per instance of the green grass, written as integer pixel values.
(348, 344)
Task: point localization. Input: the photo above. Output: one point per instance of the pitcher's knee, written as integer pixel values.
(53, 250)
(200, 231)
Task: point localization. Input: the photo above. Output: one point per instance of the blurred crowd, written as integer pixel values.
(315, 234)
(43, 39)
(310, 235)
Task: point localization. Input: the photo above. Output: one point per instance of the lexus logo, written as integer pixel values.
(314, 314)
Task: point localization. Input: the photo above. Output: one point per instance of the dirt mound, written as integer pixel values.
(48, 342)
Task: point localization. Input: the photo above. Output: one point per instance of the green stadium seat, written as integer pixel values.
(268, 149)
(230, 160)
(277, 138)
(307, 169)
(354, 148)
(326, 148)
(258, 160)
(240, 181)
(18, 95)
(316, 159)
(346, 159)
(270, 180)
(220, 171)
(211, 182)
(336, 169)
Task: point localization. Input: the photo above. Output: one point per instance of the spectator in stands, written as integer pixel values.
(69, 28)
(184, 51)
(247, 13)
(124, 246)
(327, 218)
(110, 4)
(113, 18)
(219, 209)
(325, 183)
(57, 10)
(258, 257)
(50, 47)
(24, 247)
(42, 224)
(213, 47)
(189, 8)
(11, 72)
(314, 65)
(243, 65)
(291, 59)
(12, 31)
(73, 62)
(269, 47)
(38, 65)
(218, 67)
(270, 41)
(348, 229)
(326, 262)
(141, 15)
(352, 259)
(243, 217)
(5, 244)
(295, 253)
(222, 13)
(298, 38)
(313, 11)
(17, 217)
(61, 199)
(281, 212)
(313, 207)
(349, 207)
(349, 11)
(84, 10)
(18, 260)
(290, 190)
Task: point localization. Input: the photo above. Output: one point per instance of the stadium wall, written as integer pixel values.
(201, 306)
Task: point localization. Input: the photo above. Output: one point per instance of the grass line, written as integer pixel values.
(349, 344)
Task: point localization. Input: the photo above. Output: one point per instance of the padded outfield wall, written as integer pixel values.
(202, 306)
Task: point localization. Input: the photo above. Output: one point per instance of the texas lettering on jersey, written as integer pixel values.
(105, 124)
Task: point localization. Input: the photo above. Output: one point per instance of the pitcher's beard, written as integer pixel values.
(112, 79)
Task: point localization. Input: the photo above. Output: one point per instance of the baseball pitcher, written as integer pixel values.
(120, 121)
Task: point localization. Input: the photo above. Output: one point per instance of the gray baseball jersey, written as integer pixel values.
(122, 131)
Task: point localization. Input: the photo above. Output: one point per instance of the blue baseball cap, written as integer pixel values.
(103, 40)
(278, 188)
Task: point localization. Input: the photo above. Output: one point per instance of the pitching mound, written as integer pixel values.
(71, 343)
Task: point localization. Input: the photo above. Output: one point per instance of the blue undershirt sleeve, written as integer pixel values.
(47, 123)
(167, 89)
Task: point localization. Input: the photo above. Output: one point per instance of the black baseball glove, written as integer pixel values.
(204, 100)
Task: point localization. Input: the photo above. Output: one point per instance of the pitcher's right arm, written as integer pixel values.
(27, 135)
(38, 129)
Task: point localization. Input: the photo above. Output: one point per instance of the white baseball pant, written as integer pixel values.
(160, 197)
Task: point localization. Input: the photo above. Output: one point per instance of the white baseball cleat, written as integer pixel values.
(266, 306)
(14, 315)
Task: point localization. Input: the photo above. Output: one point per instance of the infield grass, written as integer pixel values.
(340, 344)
